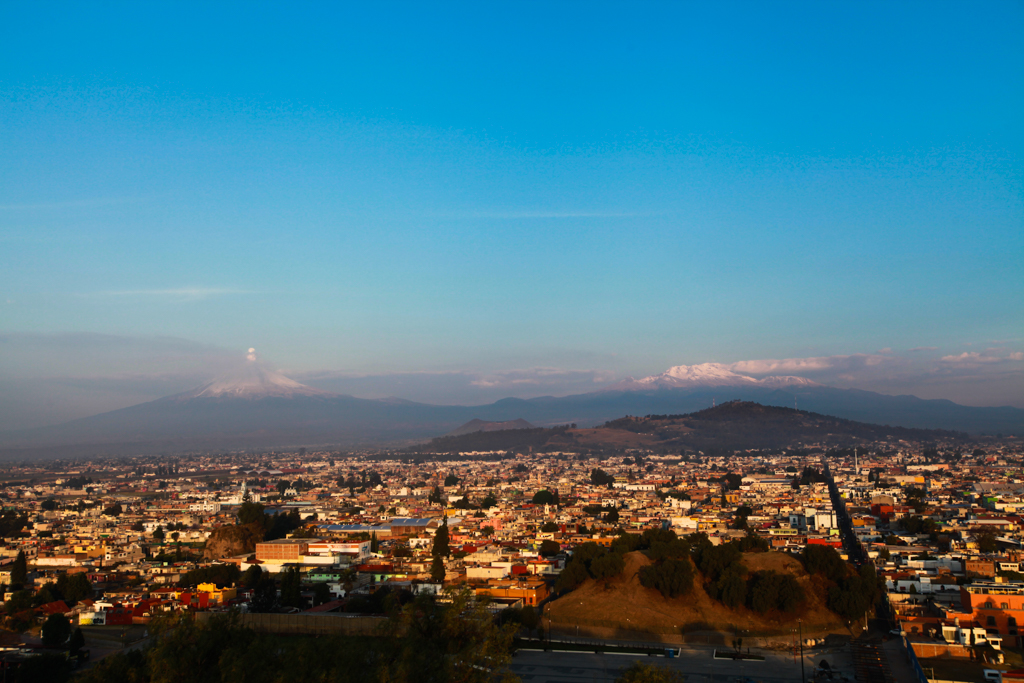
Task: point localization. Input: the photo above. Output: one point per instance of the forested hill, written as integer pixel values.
(730, 426)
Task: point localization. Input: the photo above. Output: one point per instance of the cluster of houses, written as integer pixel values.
(939, 521)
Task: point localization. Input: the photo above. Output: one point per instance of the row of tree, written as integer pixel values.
(424, 641)
(726, 578)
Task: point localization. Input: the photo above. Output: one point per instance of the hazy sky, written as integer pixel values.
(464, 201)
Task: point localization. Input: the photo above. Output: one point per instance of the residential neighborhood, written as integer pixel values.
(121, 542)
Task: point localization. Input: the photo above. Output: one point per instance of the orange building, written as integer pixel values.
(996, 607)
(530, 592)
(980, 567)
(282, 550)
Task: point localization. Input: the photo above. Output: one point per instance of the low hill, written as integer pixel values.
(477, 425)
(730, 426)
(520, 440)
(622, 604)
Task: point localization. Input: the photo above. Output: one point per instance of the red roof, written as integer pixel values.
(55, 607)
(329, 606)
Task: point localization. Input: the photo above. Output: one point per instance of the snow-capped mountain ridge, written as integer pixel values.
(253, 380)
(706, 375)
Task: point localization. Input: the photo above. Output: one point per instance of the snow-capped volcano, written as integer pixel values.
(706, 375)
(253, 380)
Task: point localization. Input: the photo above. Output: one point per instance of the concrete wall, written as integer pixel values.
(927, 650)
(309, 624)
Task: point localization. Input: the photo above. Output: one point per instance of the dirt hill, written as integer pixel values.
(623, 604)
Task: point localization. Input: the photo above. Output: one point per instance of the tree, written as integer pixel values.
(291, 588)
(219, 574)
(770, 590)
(264, 597)
(74, 587)
(250, 513)
(374, 543)
(489, 501)
(731, 587)
(49, 505)
(251, 577)
(158, 534)
(437, 570)
(599, 477)
(854, 595)
(714, 559)
(740, 519)
(670, 577)
(77, 641)
(457, 640)
(529, 618)
(321, 593)
(451, 480)
(114, 510)
(49, 667)
(549, 527)
(19, 570)
(440, 547)
(56, 630)
(821, 559)
(574, 574)
(612, 517)
(638, 672)
(549, 548)
(487, 531)
(732, 481)
(607, 566)
(986, 541)
(543, 497)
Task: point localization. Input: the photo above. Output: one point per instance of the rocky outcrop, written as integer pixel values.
(228, 541)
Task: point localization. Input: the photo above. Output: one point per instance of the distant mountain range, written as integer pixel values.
(257, 408)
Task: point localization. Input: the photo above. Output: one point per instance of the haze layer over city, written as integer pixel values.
(542, 342)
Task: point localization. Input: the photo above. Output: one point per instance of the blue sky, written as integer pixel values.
(483, 189)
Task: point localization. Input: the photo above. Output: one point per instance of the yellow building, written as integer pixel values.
(217, 595)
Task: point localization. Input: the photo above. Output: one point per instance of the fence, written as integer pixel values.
(921, 678)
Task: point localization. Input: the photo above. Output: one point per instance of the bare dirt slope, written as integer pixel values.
(623, 604)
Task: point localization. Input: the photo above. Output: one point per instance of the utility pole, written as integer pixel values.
(803, 674)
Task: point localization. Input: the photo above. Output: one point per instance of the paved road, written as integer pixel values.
(696, 664)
